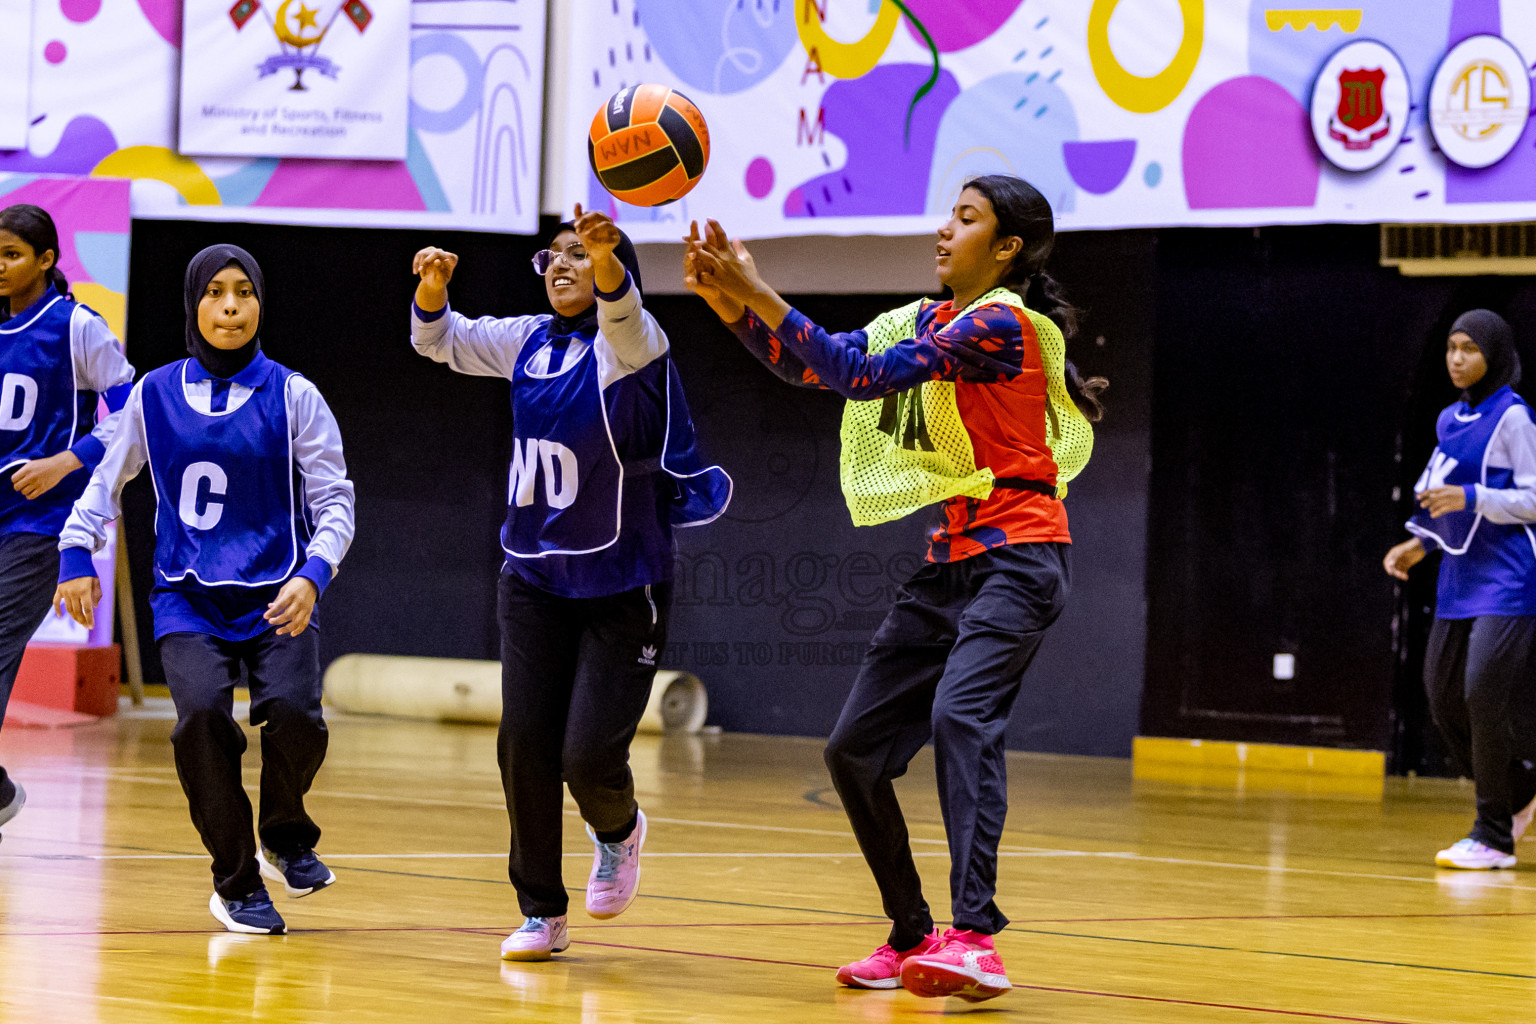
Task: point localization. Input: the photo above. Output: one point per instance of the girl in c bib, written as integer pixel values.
(604, 466)
(1477, 501)
(56, 358)
(253, 517)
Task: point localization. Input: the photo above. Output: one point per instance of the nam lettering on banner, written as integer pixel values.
(296, 78)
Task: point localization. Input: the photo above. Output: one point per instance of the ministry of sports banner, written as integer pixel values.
(865, 116)
(104, 84)
(284, 78)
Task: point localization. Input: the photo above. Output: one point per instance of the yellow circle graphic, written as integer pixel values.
(839, 59)
(1141, 94)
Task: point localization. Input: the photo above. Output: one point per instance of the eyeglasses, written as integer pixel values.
(573, 253)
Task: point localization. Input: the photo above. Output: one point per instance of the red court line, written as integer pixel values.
(1214, 1006)
(1268, 917)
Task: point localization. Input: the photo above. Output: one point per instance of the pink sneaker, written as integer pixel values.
(537, 939)
(964, 965)
(882, 968)
(615, 878)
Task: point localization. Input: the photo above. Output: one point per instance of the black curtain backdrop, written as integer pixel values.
(776, 600)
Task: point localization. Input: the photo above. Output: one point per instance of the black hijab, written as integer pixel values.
(204, 267)
(586, 320)
(1495, 339)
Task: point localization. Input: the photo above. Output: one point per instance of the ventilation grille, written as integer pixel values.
(1459, 249)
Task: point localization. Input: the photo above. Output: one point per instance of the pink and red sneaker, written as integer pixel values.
(882, 968)
(964, 965)
(615, 878)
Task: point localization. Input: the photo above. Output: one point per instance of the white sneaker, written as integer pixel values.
(1522, 820)
(1471, 855)
(537, 939)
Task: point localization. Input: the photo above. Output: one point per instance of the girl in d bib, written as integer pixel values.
(971, 403)
(253, 517)
(56, 357)
(604, 466)
(1477, 501)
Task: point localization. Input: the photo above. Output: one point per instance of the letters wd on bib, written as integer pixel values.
(296, 78)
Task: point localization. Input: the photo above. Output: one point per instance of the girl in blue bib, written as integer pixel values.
(604, 466)
(253, 517)
(56, 358)
(1477, 500)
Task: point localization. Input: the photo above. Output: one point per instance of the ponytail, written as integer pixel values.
(1044, 295)
(32, 225)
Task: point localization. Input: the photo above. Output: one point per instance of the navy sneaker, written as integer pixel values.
(12, 798)
(300, 874)
(253, 915)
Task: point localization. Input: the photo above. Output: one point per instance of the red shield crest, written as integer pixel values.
(1360, 97)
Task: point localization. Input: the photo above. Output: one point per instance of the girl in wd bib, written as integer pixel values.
(253, 516)
(1477, 500)
(56, 356)
(971, 403)
(604, 466)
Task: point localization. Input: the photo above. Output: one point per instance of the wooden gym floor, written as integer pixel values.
(1133, 901)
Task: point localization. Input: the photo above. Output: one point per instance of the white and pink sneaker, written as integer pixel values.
(537, 939)
(882, 968)
(1471, 855)
(615, 878)
(965, 965)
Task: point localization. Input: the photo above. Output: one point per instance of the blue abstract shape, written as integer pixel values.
(424, 174)
(720, 46)
(984, 133)
(1153, 175)
(1099, 167)
(1292, 59)
(104, 255)
(244, 187)
(457, 49)
(15, 182)
(86, 141)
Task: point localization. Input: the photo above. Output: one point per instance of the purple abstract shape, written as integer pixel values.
(759, 178)
(1473, 18)
(959, 26)
(1512, 179)
(165, 18)
(1099, 167)
(1248, 144)
(84, 144)
(885, 174)
(342, 185)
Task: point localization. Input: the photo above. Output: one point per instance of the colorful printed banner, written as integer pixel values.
(863, 116)
(282, 78)
(104, 101)
(15, 54)
(93, 221)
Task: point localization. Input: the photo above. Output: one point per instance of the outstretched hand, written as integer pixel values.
(600, 236)
(435, 266)
(699, 278)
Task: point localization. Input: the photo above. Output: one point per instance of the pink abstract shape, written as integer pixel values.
(165, 18)
(55, 52)
(1248, 144)
(1099, 167)
(759, 178)
(959, 26)
(84, 143)
(80, 11)
(342, 185)
(88, 204)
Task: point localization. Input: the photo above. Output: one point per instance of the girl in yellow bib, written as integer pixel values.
(969, 402)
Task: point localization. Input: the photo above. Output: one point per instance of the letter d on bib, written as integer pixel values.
(14, 414)
(192, 482)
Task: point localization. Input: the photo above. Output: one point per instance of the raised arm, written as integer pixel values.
(486, 347)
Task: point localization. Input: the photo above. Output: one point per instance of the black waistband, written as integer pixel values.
(642, 467)
(1018, 483)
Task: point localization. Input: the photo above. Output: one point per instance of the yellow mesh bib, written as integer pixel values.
(908, 450)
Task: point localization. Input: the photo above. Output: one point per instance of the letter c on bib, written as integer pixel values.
(16, 415)
(191, 483)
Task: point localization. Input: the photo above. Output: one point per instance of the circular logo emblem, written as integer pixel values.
(1479, 101)
(1360, 104)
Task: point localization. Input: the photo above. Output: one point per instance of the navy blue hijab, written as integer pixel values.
(205, 266)
(1496, 340)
